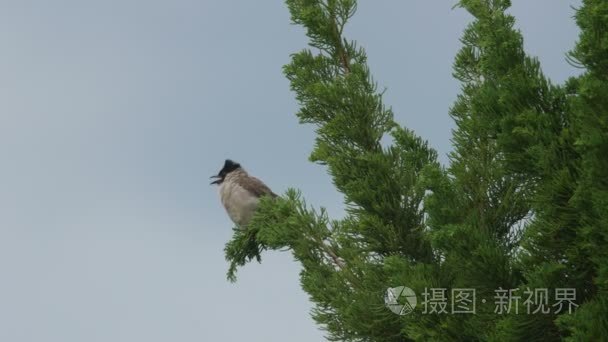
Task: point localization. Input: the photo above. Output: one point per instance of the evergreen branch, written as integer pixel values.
(327, 249)
(340, 44)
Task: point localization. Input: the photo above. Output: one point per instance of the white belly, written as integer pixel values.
(239, 203)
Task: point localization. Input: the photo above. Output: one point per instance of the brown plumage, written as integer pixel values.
(254, 185)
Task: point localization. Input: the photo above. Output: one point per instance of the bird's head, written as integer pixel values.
(229, 166)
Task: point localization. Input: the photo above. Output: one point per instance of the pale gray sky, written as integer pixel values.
(113, 115)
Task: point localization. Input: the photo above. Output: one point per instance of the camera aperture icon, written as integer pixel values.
(400, 300)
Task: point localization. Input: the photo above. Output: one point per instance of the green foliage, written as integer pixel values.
(523, 203)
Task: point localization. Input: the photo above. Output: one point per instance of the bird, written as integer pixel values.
(239, 192)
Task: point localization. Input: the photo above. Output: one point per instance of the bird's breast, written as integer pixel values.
(239, 203)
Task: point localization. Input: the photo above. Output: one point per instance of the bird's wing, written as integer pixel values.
(256, 186)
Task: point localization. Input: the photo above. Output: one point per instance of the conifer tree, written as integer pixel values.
(567, 243)
(523, 203)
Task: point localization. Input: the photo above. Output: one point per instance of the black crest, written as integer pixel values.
(229, 166)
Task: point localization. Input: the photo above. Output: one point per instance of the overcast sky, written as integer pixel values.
(113, 115)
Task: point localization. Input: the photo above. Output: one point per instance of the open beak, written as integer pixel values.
(217, 181)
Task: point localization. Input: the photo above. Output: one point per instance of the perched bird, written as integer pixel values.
(240, 193)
